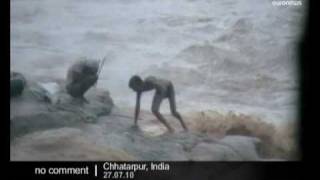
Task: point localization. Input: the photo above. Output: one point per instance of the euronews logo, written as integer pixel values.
(287, 3)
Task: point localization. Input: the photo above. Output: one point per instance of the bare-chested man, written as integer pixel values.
(81, 76)
(164, 89)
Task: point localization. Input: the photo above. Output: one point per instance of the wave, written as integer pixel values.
(276, 141)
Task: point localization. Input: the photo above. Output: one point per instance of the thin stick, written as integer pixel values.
(101, 65)
(100, 68)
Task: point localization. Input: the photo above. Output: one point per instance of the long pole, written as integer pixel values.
(101, 65)
(100, 69)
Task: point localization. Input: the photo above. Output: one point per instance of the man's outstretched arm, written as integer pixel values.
(137, 111)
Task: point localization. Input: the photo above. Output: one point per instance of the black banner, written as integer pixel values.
(156, 170)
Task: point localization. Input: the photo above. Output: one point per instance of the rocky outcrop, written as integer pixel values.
(47, 124)
(39, 108)
(60, 145)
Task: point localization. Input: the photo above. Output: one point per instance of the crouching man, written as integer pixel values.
(81, 76)
(163, 90)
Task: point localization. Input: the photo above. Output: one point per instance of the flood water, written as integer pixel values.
(226, 55)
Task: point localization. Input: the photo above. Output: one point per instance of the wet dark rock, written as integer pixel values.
(38, 109)
(17, 84)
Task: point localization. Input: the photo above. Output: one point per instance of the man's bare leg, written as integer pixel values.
(157, 99)
(178, 116)
(173, 108)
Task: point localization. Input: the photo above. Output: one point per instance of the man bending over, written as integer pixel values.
(163, 89)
